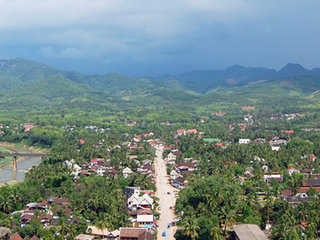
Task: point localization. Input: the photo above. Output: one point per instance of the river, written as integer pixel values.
(23, 166)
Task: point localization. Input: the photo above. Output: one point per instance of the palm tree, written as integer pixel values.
(104, 221)
(6, 205)
(191, 227)
(216, 232)
(227, 218)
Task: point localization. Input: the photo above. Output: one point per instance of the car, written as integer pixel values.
(168, 192)
(164, 234)
(159, 208)
(169, 225)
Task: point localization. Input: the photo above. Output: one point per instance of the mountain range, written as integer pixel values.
(27, 84)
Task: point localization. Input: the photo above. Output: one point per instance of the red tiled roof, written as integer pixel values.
(16, 236)
(34, 238)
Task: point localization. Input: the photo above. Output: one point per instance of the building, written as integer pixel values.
(248, 232)
(145, 219)
(244, 141)
(135, 234)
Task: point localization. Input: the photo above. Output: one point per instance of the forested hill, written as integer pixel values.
(27, 85)
(206, 80)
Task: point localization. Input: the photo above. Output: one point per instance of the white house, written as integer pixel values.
(275, 148)
(126, 172)
(144, 220)
(171, 157)
(244, 141)
(135, 202)
(101, 171)
(269, 177)
(174, 175)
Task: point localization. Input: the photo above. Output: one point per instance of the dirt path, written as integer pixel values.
(165, 200)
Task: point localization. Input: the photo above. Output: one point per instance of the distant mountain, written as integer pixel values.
(206, 80)
(30, 85)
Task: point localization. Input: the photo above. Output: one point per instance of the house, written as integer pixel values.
(218, 114)
(248, 107)
(126, 172)
(136, 202)
(287, 131)
(211, 140)
(144, 219)
(244, 141)
(16, 236)
(275, 148)
(131, 123)
(192, 131)
(4, 232)
(277, 141)
(248, 231)
(259, 141)
(145, 202)
(176, 152)
(179, 181)
(292, 170)
(129, 191)
(171, 157)
(97, 231)
(33, 238)
(247, 117)
(186, 167)
(101, 171)
(275, 176)
(85, 237)
(174, 174)
(114, 234)
(135, 234)
(181, 132)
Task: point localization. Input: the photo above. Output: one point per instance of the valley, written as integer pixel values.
(163, 158)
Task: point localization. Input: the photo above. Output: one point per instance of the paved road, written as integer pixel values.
(165, 200)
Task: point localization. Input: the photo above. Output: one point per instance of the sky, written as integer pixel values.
(158, 37)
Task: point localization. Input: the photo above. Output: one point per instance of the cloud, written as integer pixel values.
(150, 34)
(150, 16)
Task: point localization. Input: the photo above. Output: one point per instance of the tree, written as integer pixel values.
(191, 227)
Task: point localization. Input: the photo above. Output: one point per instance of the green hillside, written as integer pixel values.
(28, 85)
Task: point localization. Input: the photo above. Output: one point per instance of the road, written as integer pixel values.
(165, 200)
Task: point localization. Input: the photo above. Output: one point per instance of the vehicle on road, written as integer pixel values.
(168, 192)
(164, 234)
(169, 225)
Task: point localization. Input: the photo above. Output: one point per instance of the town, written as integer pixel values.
(149, 176)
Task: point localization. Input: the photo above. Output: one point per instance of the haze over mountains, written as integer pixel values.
(24, 83)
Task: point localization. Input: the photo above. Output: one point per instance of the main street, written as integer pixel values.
(167, 199)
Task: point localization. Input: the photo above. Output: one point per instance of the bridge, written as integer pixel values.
(24, 155)
(15, 155)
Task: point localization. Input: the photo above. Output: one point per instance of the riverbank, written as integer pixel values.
(14, 147)
(7, 176)
(5, 160)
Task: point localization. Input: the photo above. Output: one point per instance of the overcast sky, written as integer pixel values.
(154, 37)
